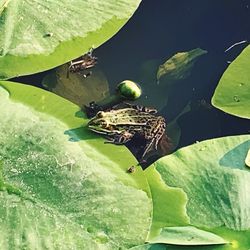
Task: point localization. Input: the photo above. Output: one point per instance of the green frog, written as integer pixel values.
(121, 125)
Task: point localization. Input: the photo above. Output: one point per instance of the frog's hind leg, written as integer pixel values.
(151, 145)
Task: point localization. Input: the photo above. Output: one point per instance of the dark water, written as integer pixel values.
(161, 28)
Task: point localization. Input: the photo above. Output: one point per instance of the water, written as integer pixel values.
(161, 28)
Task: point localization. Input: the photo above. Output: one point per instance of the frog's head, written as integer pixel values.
(100, 123)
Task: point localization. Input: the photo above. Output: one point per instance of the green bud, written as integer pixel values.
(129, 90)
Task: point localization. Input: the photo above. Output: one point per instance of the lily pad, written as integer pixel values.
(61, 187)
(232, 94)
(169, 204)
(187, 236)
(214, 177)
(36, 36)
(150, 247)
(75, 87)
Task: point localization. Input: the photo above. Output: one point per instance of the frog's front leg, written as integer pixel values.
(120, 138)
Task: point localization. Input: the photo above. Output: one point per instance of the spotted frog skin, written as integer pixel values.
(121, 125)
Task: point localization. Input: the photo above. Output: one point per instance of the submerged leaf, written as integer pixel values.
(39, 35)
(75, 87)
(173, 128)
(178, 66)
(62, 187)
(232, 94)
(158, 82)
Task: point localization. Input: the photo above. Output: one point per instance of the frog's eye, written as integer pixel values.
(100, 114)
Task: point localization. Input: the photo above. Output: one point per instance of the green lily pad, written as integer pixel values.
(169, 204)
(61, 186)
(187, 236)
(75, 87)
(232, 94)
(150, 247)
(217, 184)
(36, 36)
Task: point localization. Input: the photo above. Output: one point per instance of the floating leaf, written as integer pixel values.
(232, 95)
(214, 177)
(75, 87)
(61, 186)
(179, 66)
(36, 35)
(187, 236)
(150, 247)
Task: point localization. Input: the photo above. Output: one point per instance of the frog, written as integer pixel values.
(119, 126)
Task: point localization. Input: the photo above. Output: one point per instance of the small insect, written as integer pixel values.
(81, 64)
(131, 169)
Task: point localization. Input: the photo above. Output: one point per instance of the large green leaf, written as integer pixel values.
(61, 187)
(232, 95)
(39, 35)
(216, 181)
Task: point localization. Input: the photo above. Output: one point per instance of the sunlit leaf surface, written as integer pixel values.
(61, 186)
(232, 95)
